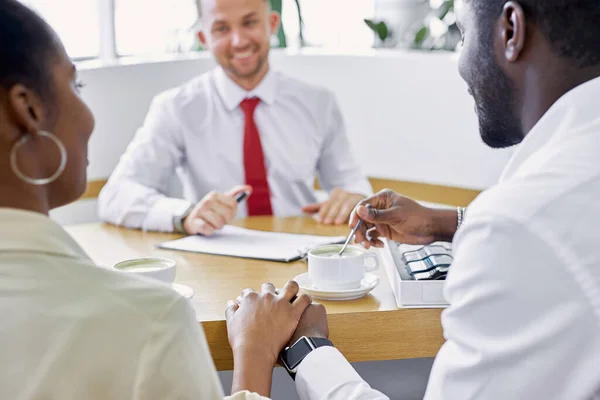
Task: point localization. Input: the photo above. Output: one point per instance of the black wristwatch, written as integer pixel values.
(292, 356)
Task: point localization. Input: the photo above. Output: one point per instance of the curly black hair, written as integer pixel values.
(571, 26)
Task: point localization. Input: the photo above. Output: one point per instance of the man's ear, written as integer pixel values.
(513, 30)
(25, 108)
(202, 38)
(274, 21)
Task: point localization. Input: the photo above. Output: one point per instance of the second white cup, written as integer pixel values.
(162, 269)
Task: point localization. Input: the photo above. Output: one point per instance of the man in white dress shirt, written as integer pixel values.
(241, 123)
(524, 288)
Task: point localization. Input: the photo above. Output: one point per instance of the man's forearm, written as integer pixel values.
(445, 222)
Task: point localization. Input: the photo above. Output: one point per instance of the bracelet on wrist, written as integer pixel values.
(460, 216)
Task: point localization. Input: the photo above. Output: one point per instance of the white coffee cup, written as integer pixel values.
(327, 271)
(162, 269)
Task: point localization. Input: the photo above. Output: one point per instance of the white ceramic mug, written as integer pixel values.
(162, 269)
(327, 271)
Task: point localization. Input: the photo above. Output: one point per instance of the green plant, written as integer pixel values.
(277, 5)
(426, 37)
(441, 19)
(379, 28)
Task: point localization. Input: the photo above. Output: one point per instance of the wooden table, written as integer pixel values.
(367, 329)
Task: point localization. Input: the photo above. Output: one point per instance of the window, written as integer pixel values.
(111, 28)
(154, 26)
(330, 23)
(75, 21)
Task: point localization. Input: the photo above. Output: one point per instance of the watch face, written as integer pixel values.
(295, 354)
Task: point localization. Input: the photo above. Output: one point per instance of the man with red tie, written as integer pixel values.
(242, 126)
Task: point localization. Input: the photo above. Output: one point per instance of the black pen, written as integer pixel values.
(241, 196)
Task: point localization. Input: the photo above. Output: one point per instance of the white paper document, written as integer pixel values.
(247, 243)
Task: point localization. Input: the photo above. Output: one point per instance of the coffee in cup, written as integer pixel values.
(162, 269)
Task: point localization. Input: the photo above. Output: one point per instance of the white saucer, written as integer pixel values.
(369, 282)
(183, 290)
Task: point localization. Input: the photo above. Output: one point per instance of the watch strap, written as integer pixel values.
(320, 342)
(315, 342)
(178, 220)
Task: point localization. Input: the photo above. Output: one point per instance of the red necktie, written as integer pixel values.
(254, 163)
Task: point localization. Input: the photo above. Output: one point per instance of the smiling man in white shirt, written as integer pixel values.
(241, 123)
(524, 287)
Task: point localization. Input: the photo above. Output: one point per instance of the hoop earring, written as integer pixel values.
(41, 181)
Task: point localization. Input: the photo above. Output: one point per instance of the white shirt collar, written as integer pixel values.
(232, 94)
(33, 232)
(573, 111)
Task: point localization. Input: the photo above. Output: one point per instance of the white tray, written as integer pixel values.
(411, 293)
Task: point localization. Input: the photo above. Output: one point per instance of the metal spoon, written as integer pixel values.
(352, 233)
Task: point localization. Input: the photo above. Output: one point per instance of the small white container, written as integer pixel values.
(409, 292)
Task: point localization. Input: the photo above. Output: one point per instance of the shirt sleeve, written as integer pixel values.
(176, 361)
(136, 195)
(326, 374)
(517, 325)
(337, 166)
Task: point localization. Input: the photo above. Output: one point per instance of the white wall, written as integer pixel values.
(408, 114)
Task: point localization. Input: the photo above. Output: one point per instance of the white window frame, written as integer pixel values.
(108, 45)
